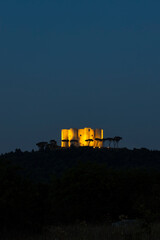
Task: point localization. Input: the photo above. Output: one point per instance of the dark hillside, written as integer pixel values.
(97, 186)
(41, 165)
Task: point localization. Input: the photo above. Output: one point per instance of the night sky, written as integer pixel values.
(79, 64)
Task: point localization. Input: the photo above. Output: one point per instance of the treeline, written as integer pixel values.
(88, 192)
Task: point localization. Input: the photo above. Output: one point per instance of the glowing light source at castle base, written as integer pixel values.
(82, 137)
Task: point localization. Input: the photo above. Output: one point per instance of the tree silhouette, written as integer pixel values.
(104, 139)
(110, 140)
(97, 141)
(42, 145)
(116, 140)
(52, 145)
(73, 142)
(66, 141)
(53, 142)
(89, 140)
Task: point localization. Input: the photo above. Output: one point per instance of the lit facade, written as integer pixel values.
(82, 137)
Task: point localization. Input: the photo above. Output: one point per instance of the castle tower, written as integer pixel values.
(64, 138)
(73, 137)
(98, 136)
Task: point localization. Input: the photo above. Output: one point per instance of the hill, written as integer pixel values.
(91, 185)
(40, 165)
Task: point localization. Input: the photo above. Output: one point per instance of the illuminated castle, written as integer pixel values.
(82, 137)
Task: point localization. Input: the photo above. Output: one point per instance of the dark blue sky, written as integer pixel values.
(79, 64)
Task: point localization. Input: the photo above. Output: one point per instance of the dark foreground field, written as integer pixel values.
(83, 231)
(84, 190)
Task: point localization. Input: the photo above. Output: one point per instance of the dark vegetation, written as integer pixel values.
(39, 166)
(67, 186)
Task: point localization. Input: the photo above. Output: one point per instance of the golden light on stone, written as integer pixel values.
(82, 137)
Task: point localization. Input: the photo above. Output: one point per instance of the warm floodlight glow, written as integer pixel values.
(82, 137)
